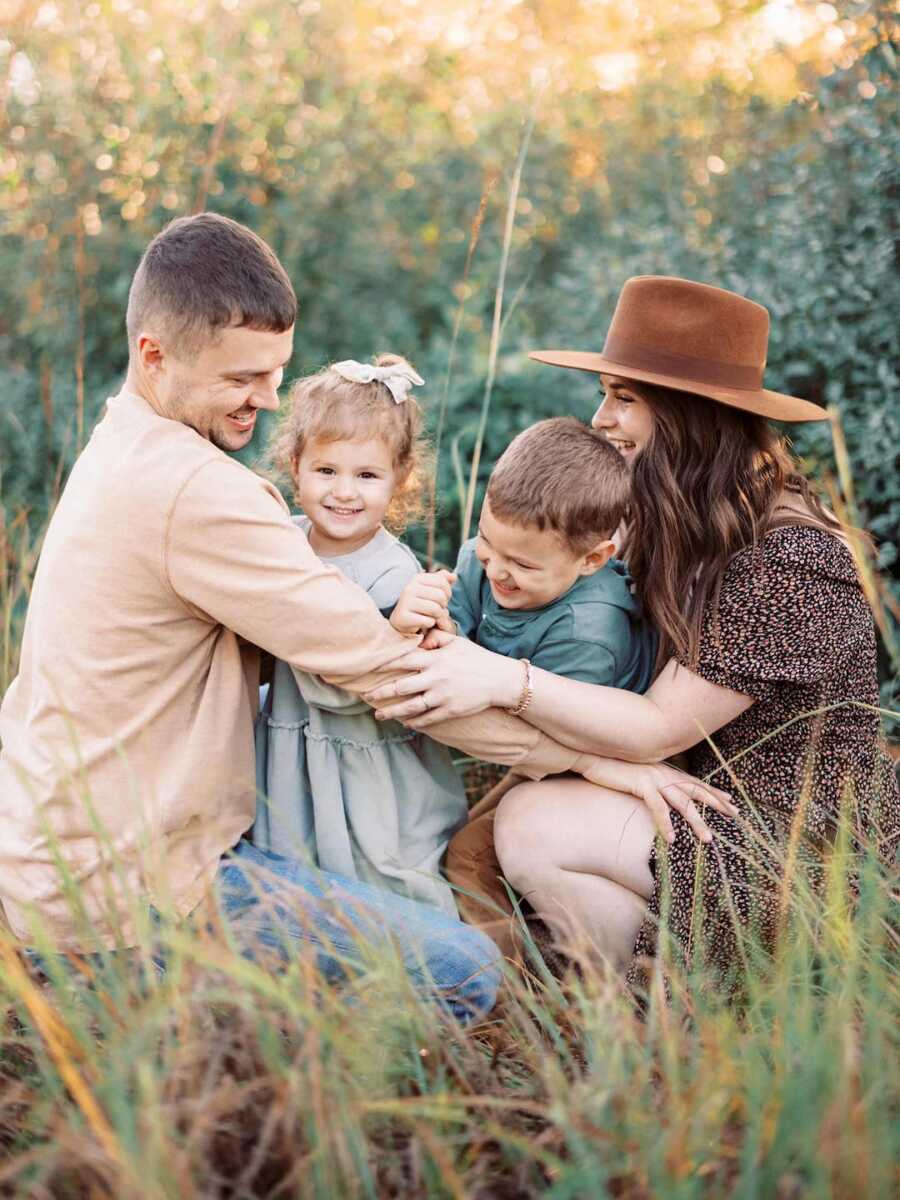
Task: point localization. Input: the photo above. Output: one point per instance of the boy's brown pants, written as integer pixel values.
(473, 868)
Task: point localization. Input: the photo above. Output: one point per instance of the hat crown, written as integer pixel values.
(693, 338)
(690, 321)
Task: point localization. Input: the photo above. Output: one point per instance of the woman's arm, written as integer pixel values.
(470, 679)
(462, 678)
(679, 710)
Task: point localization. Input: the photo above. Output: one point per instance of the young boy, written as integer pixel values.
(539, 582)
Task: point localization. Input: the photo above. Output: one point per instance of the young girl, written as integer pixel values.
(369, 800)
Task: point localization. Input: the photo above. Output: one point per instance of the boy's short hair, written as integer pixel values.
(562, 475)
(203, 274)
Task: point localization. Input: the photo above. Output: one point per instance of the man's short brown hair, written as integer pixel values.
(204, 274)
(561, 475)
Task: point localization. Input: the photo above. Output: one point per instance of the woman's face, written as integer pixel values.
(624, 418)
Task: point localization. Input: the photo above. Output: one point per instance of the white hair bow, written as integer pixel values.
(398, 378)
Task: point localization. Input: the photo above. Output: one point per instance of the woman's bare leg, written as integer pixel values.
(580, 855)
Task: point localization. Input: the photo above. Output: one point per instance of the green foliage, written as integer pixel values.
(367, 189)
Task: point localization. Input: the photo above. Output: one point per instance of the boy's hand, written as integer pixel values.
(423, 602)
(440, 635)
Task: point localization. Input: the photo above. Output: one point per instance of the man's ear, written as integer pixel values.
(598, 556)
(150, 354)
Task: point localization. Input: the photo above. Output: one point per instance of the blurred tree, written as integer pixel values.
(749, 144)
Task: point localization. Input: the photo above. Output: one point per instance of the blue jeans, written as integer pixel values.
(272, 902)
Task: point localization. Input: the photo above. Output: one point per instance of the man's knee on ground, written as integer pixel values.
(465, 967)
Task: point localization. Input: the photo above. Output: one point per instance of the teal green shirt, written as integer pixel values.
(593, 632)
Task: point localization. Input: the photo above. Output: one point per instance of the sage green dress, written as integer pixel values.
(369, 800)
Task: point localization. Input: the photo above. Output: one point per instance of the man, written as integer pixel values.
(127, 772)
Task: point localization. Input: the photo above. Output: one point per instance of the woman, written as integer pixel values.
(766, 642)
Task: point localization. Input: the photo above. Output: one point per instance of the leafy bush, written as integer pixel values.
(371, 207)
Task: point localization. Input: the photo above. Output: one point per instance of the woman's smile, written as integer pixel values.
(623, 446)
(624, 417)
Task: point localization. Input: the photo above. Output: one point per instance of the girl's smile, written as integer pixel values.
(344, 488)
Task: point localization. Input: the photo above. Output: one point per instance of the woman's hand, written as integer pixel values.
(456, 680)
(423, 602)
(660, 787)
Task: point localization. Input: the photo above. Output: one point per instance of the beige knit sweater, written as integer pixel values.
(126, 768)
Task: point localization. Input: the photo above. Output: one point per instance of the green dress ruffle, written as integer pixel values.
(369, 800)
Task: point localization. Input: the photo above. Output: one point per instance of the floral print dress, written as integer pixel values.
(795, 632)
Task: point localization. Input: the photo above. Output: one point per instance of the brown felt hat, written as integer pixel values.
(693, 338)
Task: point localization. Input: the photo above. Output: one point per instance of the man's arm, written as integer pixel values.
(234, 558)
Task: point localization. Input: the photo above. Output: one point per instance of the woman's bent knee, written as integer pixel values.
(520, 833)
(569, 825)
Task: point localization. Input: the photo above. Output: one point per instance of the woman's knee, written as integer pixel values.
(520, 834)
(567, 825)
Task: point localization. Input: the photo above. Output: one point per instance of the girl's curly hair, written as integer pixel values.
(326, 407)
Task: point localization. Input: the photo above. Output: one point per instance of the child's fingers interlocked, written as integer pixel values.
(423, 602)
(427, 594)
(429, 610)
(440, 582)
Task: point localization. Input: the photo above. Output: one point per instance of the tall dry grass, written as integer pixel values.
(228, 1077)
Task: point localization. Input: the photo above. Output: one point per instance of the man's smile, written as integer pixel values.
(244, 418)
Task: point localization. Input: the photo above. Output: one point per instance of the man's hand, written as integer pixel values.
(423, 603)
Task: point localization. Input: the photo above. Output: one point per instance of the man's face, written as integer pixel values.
(219, 390)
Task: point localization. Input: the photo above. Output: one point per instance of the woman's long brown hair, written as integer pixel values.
(706, 485)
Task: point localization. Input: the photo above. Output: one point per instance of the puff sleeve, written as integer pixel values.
(782, 616)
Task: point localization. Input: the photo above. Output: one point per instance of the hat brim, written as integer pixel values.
(774, 405)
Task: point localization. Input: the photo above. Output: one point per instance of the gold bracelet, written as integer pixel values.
(527, 690)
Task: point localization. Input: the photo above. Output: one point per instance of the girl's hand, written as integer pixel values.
(456, 680)
(661, 787)
(423, 602)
